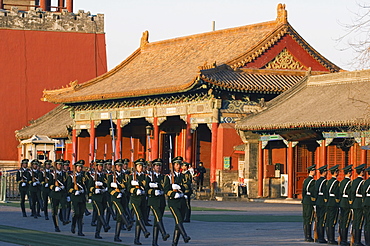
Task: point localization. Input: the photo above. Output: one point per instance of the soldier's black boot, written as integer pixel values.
(79, 226)
(367, 238)
(73, 226)
(38, 208)
(46, 213)
(331, 236)
(143, 228)
(137, 235)
(55, 221)
(97, 230)
(68, 215)
(87, 213)
(183, 232)
(64, 216)
(357, 240)
(104, 223)
(165, 236)
(176, 236)
(23, 210)
(320, 234)
(344, 237)
(126, 222)
(94, 217)
(155, 235)
(117, 232)
(307, 233)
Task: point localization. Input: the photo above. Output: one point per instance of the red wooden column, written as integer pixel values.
(363, 152)
(213, 155)
(155, 141)
(92, 141)
(118, 150)
(290, 170)
(70, 5)
(323, 153)
(260, 169)
(60, 5)
(188, 141)
(43, 5)
(74, 145)
(1, 4)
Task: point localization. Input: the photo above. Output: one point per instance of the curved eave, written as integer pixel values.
(290, 126)
(130, 94)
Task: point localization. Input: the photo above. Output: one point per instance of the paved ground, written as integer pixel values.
(222, 223)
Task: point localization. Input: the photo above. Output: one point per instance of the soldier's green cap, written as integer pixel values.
(99, 162)
(80, 163)
(109, 161)
(35, 162)
(347, 168)
(140, 161)
(367, 169)
(334, 168)
(126, 161)
(185, 164)
(311, 168)
(178, 159)
(360, 167)
(158, 162)
(118, 162)
(59, 161)
(48, 162)
(25, 161)
(323, 168)
(66, 162)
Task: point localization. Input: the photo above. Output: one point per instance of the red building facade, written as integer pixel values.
(43, 50)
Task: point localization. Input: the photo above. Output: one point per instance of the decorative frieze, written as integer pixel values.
(172, 110)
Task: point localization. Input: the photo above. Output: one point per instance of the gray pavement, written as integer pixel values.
(201, 232)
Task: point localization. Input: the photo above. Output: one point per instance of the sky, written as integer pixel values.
(320, 23)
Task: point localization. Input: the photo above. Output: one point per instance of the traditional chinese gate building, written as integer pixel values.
(322, 120)
(183, 96)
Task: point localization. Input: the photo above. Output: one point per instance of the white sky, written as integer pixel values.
(318, 22)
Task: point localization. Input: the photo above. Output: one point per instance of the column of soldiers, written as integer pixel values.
(328, 202)
(112, 192)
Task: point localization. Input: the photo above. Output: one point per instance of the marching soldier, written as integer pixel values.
(320, 190)
(34, 191)
(65, 216)
(110, 212)
(23, 181)
(174, 188)
(136, 185)
(188, 179)
(98, 188)
(58, 193)
(117, 186)
(127, 194)
(308, 202)
(156, 200)
(344, 205)
(332, 209)
(77, 189)
(366, 206)
(45, 191)
(356, 198)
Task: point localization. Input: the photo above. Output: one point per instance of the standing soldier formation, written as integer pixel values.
(327, 201)
(115, 186)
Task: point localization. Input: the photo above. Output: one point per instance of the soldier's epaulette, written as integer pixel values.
(112, 192)
(313, 199)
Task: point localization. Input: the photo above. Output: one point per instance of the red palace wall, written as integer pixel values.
(32, 61)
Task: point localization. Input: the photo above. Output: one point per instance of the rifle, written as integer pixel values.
(33, 176)
(352, 236)
(56, 183)
(112, 135)
(75, 186)
(134, 175)
(315, 235)
(173, 178)
(115, 177)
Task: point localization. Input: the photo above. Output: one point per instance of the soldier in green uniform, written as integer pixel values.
(332, 205)
(110, 212)
(136, 185)
(58, 193)
(77, 189)
(22, 180)
(366, 206)
(320, 190)
(45, 191)
(356, 199)
(188, 179)
(65, 216)
(174, 187)
(156, 200)
(99, 189)
(33, 188)
(344, 205)
(126, 193)
(308, 202)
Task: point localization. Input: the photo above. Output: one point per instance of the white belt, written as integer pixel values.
(367, 194)
(358, 195)
(331, 194)
(345, 195)
(308, 193)
(321, 194)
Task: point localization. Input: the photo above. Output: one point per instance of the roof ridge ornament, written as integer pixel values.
(282, 14)
(144, 39)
